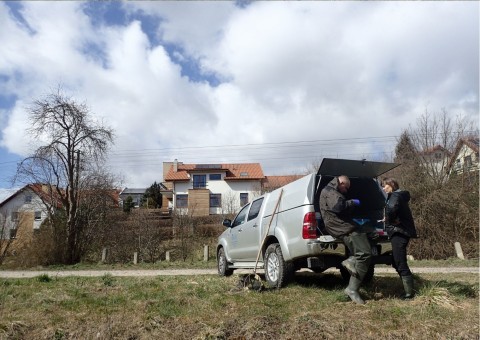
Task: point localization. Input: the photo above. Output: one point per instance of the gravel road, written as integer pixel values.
(172, 272)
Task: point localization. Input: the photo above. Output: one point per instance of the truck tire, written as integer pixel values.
(368, 276)
(278, 272)
(222, 264)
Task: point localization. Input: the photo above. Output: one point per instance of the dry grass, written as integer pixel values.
(210, 307)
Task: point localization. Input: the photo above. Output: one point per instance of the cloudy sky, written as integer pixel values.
(280, 83)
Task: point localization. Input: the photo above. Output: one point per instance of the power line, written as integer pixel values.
(262, 145)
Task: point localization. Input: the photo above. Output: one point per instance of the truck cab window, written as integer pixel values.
(240, 219)
(255, 210)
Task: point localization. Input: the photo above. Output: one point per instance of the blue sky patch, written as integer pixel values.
(108, 13)
(96, 53)
(16, 8)
(190, 67)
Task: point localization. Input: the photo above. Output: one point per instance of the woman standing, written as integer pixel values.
(400, 228)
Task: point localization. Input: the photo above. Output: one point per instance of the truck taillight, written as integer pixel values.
(309, 226)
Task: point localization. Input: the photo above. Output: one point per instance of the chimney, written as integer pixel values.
(175, 165)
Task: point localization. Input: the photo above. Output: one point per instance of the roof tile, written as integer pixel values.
(234, 171)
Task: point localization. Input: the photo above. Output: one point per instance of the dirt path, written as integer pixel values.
(172, 272)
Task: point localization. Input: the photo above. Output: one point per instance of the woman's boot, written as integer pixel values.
(408, 287)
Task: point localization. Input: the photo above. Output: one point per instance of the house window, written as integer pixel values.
(199, 181)
(243, 198)
(14, 216)
(458, 164)
(28, 199)
(243, 174)
(182, 201)
(13, 233)
(215, 177)
(215, 200)
(38, 215)
(467, 161)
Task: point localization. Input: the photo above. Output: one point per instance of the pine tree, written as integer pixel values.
(405, 151)
(411, 172)
(153, 196)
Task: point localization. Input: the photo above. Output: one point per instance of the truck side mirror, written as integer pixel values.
(227, 223)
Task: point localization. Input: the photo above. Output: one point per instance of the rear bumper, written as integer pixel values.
(333, 253)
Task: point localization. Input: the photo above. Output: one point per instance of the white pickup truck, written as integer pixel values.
(292, 236)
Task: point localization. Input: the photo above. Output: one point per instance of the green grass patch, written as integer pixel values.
(212, 307)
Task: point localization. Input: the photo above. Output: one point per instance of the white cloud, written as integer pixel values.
(291, 71)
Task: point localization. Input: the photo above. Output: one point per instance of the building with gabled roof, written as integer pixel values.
(465, 156)
(208, 189)
(23, 212)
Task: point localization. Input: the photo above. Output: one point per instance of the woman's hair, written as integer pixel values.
(392, 182)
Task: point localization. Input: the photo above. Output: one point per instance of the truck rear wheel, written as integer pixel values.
(277, 271)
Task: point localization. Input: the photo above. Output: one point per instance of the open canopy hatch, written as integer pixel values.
(353, 168)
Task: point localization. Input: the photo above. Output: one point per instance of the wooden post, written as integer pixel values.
(459, 251)
(135, 257)
(167, 256)
(205, 253)
(104, 255)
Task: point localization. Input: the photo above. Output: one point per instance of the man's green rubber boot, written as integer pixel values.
(349, 265)
(352, 290)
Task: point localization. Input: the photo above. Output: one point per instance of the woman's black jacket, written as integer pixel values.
(398, 216)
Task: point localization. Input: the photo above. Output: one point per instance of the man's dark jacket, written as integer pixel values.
(336, 210)
(398, 216)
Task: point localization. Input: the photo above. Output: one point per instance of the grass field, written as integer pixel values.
(210, 307)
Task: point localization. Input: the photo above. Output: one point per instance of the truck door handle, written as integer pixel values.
(255, 225)
(240, 230)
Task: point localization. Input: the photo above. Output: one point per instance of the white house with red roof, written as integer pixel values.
(25, 209)
(208, 189)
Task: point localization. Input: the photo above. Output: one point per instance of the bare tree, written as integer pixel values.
(74, 147)
(445, 208)
(230, 204)
(149, 233)
(184, 225)
(434, 138)
(313, 166)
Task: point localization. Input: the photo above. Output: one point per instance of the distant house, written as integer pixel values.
(137, 196)
(24, 211)
(135, 193)
(435, 161)
(208, 189)
(465, 156)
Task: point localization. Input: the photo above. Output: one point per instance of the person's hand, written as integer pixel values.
(356, 201)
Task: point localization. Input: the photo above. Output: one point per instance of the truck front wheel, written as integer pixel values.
(222, 264)
(277, 271)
